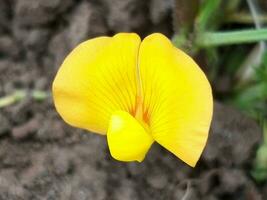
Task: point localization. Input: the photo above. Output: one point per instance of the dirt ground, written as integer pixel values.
(41, 157)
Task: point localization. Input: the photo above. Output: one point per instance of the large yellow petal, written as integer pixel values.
(128, 140)
(97, 78)
(177, 98)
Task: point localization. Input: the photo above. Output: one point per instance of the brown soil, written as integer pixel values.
(41, 157)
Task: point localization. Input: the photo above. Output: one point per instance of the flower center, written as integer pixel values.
(140, 115)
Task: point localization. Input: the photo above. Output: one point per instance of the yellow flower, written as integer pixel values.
(137, 92)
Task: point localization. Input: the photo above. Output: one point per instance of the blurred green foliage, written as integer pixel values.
(228, 32)
(252, 98)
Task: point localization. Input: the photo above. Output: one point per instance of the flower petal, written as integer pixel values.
(97, 78)
(127, 138)
(177, 98)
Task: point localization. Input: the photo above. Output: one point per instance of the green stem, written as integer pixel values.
(245, 18)
(13, 98)
(207, 11)
(22, 94)
(232, 37)
(39, 95)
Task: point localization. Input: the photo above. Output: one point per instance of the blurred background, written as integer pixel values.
(41, 157)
